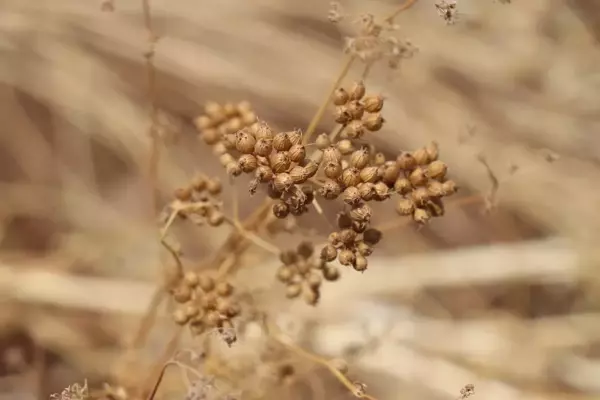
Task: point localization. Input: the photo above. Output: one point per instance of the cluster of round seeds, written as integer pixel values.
(422, 184)
(220, 122)
(204, 303)
(303, 273)
(199, 201)
(354, 242)
(356, 112)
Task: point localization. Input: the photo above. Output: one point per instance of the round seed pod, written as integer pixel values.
(233, 125)
(379, 159)
(332, 154)
(264, 173)
(369, 174)
(402, 186)
(226, 159)
(182, 294)
(214, 186)
(390, 172)
(364, 249)
(421, 216)
(355, 129)
(342, 115)
(373, 122)
(329, 253)
(406, 161)
(224, 289)
(216, 218)
(421, 156)
(367, 191)
(249, 118)
(331, 273)
(322, 141)
(357, 91)
(420, 195)
(206, 283)
(293, 291)
(285, 273)
(219, 149)
(418, 177)
(346, 257)
(311, 297)
(361, 213)
(263, 147)
(382, 191)
(437, 169)
(281, 210)
(280, 162)
(191, 279)
(347, 237)
(184, 194)
(245, 141)
(295, 136)
(340, 97)
(355, 109)
(314, 280)
(360, 158)
(351, 177)
(352, 196)
(283, 182)
(212, 318)
(233, 169)
(360, 263)
(373, 103)
(180, 317)
(210, 136)
(272, 192)
(297, 153)
(432, 151)
(230, 110)
(208, 301)
(191, 310)
(334, 238)
(372, 236)
(345, 147)
(263, 131)
(344, 221)
(450, 187)
(203, 122)
(306, 249)
(435, 188)
(311, 169)
(248, 163)
(213, 108)
(405, 207)
(281, 142)
(330, 189)
(333, 170)
(299, 174)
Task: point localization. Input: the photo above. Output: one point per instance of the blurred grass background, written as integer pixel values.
(508, 300)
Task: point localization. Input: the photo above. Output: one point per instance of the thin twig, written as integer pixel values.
(404, 6)
(153, 382)
(257, 240)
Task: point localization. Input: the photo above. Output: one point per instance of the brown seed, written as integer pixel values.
(331, 273)
(421, 156)
(352, 196)
(364, 249)
(288, 257)
(249, 118)
(332, 154)
(230, 110)
(223, 305)
(280, 162)
(311, 169)
(208, 301)
(191, 310)
(390, 172)
(340, 97)
(203, 123)
(224, 289)
(435, 188)
(212, 318)
(366, 191)
(264, 173)
(360, 263)
(219, 149)
(360, 158)
(212, 108)
(216, 218)
(226, 159)
(297, 153)
(342, 115)
(283, 182)
(206, 283)
(213, 186)
(293, 291)
(405, 207)
(199, 182)
(345, 146)
(295, 136)
(263, 147)
(450, 187)
(418, 177)
(322, 141)
(281, 210)
(191, 279)
(437, 169)
(420, 195)
(373, 122)
(346, 257)
(184, 194)
(233, 125)
(343, 220)
(357, 91)
(180, 317)
(355, 109)
(248, 163)
(233, 169)
(355, 129)
(330, 189)
(347, 236)
(368, 174)
(333, 170)
(379, 159)
(299, 174)
(373, 103)
(182, 294)
(210, 136)
(281, 142)
(372, 236)
(263, 131)
(245, 141)
(334, 238)
(351, 177)
(311, 296)
(402, 186)
(361, 213)
(421, 216)
(433, 151)
(314, 280)
(272, 192)
(328, 253)
(406, 161)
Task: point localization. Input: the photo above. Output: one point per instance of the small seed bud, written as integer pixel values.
(418, 177)
(226, 159)
(224, 289)
(450, 187)
(332, 154)
(219, 149)
(361, 263)
(342, 115)
(405, 207)
(382, 191)
(347, 236)
(373, 103)
(367, 191)
(368, 174)
(285, 273)
(299, 174)
(206, 283)
(281, 210)
(322, 141)
(280, 162)
(247, 163)
(202, 123)
(351, 177)
(437, 169)
(216, 218)
(297, 153)
(420, 195)
(340, 97)
(180, 317)
(361, 213)
(333, 170)
(402, 186)
(379, 159)
(435, 207)
(184, 194)
(317, 156)
(435, 188)
(372, 236)
(295, 137)
(311, 297)
(345, 147)
(331, 273)
(421, 156)
(346, 257)
(191, 279)
(355, 109)
(390, 172)
(210, 136)
(263, 131)
(357, 91)
(373, 122)
(264, 173)
(421, 216)
(283, 182)
(355, 129)
(263, 147)
(281, 142)
(293, 291)
(328, 253)
(352, 196)
(233, 169)
(245, 141)
(364, 249)
(360, 158)
(432, 151)
(330, 189)
(406, 161)
(182, 294)
(214, 186)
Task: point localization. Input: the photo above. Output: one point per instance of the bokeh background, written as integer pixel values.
(507, 299)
